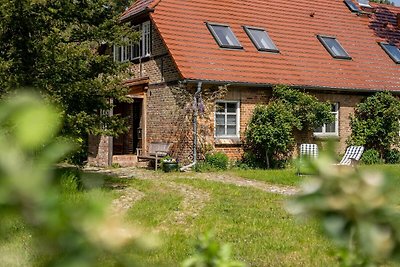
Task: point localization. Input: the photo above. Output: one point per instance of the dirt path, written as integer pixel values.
(128, 197)
(193, 202)
(238, 181)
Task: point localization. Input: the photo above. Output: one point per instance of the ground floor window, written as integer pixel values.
(331, 129)
(227, 122)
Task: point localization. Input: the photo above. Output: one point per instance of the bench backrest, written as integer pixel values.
(160, 147)
(352, 152)
(309, 151)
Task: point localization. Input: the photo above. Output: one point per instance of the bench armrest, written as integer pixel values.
(138, 151)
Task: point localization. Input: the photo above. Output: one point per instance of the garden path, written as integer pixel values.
(194, 199)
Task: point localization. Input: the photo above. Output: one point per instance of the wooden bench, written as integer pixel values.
(157, 150)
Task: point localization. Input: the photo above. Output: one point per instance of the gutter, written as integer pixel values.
(306, 87)
(195, 114)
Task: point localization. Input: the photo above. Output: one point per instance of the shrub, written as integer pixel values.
(371, 156)
(269, 135)
(392, 156)
(375, 123)
(217, 160)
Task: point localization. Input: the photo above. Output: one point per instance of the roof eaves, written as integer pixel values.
(307, 87)
(130, 16)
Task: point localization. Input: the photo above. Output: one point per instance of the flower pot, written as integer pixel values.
(169, 166)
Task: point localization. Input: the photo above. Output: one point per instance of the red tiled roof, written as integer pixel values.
(302, 60)
(137, 7)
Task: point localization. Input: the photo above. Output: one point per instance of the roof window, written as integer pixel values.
(224, 36)
(261, 39)
(333, 46)
(350, 4)
(364, 3)
(392, 50)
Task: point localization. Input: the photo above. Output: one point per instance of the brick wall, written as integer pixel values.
(169, 119)
(98, 151)
(160, 66)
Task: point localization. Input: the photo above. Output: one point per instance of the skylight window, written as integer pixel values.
(350, 4)
(261, 39)
(392, 50)
(364, 3)
(334, 47)
(224, 36)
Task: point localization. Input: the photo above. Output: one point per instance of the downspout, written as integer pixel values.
(195, 114)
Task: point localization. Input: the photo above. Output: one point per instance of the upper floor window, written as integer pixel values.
(392, 50)
(137, 50)
(261, 39)
(330, 129)
(227, 122)
(333, 46)
(224, 36)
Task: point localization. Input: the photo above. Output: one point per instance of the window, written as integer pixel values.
(364, 3)
(333, 46)
(392, 50)
(227, 119)
(350, 4)
(261, 39)
(331, 129)
(137, 50)
(224, 36)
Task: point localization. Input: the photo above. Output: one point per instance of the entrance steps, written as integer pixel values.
(128, 161)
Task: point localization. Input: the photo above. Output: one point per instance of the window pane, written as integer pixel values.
(220, 107)
(220, 119)
(220, 130)
(224, 35)
(331, 127)
(262, 39)
(318, 130)
(393, 51)
(231, 120)
(231, 130)
(231, 107)
(334, 47)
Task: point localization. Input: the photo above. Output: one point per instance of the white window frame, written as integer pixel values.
(237, 113)
(337, 116)
(133, 51)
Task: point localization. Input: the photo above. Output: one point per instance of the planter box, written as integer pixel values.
(170, 166)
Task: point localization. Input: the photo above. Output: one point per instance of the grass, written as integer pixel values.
(255, 223)
(282, 177)
(261, 232)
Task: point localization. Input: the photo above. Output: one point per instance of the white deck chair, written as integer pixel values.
(352, 156)
(307, 151)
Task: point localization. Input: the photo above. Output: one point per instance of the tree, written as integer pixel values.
(63, 48)
(270, 133)
(375, 123)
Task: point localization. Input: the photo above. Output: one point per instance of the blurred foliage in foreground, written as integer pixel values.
(210, 253)
(353, 209)
(63, 233)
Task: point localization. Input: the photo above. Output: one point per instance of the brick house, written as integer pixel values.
(232, 52)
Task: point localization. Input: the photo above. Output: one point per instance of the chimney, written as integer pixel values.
(398, 20)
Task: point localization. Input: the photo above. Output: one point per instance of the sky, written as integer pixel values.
(396, 2)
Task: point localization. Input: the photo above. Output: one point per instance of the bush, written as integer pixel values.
(392, 156)
(371, 156)
(217, 160)
(269, 135)
(375, 123)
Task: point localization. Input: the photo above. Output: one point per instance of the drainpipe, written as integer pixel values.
(195, 114)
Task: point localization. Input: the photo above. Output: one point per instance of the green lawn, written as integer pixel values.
(261, 232)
